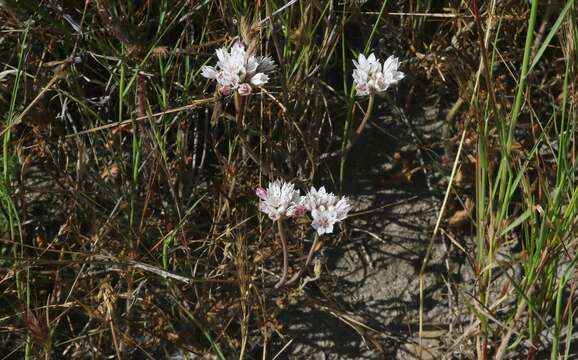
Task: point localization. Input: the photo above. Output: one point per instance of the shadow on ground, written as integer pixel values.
(366, 304)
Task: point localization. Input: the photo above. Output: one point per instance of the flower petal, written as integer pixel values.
(222, 54)
(251, 65)
(209, 72)
(266, 64)
(259, 79)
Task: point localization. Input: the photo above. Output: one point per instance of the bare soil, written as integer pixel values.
(366, 302)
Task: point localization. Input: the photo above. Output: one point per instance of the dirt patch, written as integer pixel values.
(366, 302)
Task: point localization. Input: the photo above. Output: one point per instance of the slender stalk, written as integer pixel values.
(358, 131)
(14, 227)
(523, 75)
(346, 129)
(485, 58)
(362, 124)
(295, 277)
(281, 229)
(365, 119)
(239, 109)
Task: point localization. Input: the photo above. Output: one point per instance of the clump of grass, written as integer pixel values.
(525, 198)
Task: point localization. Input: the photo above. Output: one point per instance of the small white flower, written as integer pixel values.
(323, 220)
(370, 77)
(390, 71)
(236, 70)
(326, 209)
(279, 199)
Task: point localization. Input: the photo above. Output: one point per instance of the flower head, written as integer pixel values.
(326, 209)
(237, 70)
(371, 77)
(279, 199)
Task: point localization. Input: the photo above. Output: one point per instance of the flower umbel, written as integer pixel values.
(237, 70)
(371, 77)
(326, 209)
(279, 199)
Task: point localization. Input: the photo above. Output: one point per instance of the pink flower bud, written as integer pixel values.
(225, 90)
(261, 193)
(244, 89)
(296, 211)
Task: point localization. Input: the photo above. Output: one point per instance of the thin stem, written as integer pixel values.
(239, 109)
(365, 119)
(518, 102)
(309, 257)
(357, 133)
(281, 230)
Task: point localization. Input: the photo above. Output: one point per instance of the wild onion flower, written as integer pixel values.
(326, 209)
(280, 199)
(371, 77)
(237, 70)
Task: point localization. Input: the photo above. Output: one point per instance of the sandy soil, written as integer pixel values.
(366, 302)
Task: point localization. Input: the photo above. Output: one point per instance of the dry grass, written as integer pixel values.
(129, 223)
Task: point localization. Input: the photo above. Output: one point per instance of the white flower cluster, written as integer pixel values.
(371, 77)
(281, 199)
(326, 209)
(237, 70)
